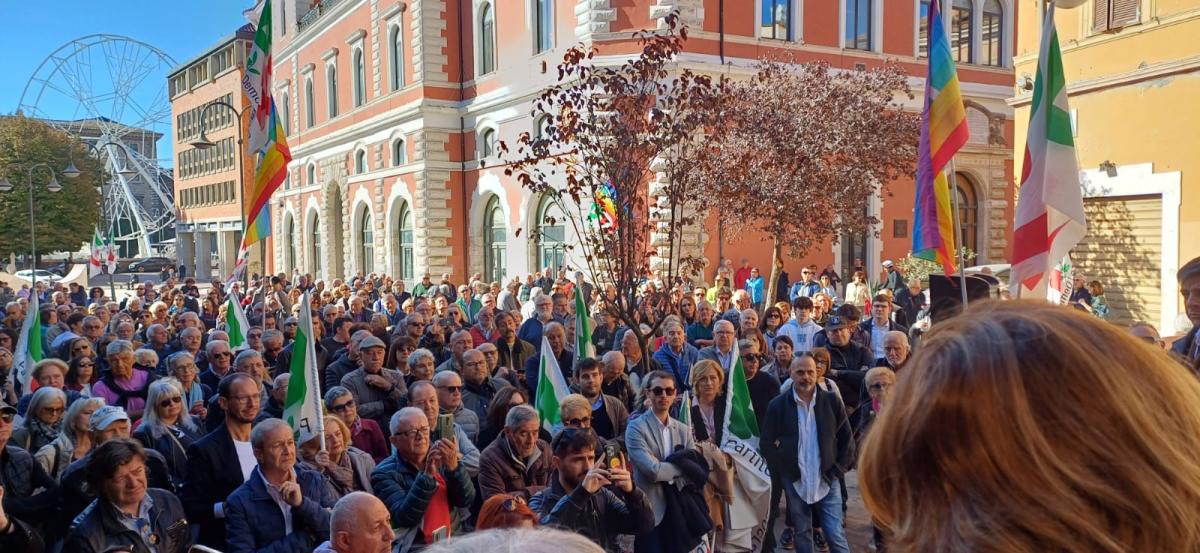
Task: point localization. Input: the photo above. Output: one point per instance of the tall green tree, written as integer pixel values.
(64, 220)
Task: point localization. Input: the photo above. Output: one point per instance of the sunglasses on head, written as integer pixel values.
(512, 503)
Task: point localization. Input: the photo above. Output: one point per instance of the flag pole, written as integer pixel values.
(958, 249)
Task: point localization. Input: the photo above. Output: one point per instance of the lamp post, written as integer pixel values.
(203, 143)
(72, 172)
(53, 186)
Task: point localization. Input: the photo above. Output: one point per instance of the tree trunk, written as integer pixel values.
(776, 269)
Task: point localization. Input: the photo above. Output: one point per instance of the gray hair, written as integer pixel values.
(40, 398)
(262, 429)
(117, 347)
(332, 395)
(611, 357)
(417, 355)
(272, 334)
(732, 327)
(177, 357)
(146, 357)
(519, 415)
(245, 356)
(897, 334)
(394, 423)
(158, 390)
(442, 377)
(73, 412)
(519, 540)
(212, 345)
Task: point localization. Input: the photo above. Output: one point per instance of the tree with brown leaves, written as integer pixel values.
(802, 148)
(614, 152)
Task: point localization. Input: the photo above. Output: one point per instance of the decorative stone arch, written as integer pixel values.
(312, 244)
(399, 199)
(291, 247)
(360, 207)
(335, 221)
(488, 187)
(397, 135)
(483, 126)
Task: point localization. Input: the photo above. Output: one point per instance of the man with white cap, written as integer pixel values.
(893, 280)
(106, 423)
(378, 391)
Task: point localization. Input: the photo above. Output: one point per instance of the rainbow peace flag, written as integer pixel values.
(943, 132)
(604, 207)
(269, 174)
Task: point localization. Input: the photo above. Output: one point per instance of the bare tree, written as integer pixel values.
(802, 148)
(613, 149)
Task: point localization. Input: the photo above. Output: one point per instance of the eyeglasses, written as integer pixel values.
(7, 417)
(579, 422)
(660, 391)
(880, 386)
(451, 389)
(53, 410)
(342, 406)
(754, 358)
(512, 503)
(87, 365)
(166, 402)
(222, 354)
(414, 433)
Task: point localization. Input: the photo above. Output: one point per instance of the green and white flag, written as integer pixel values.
(685, 408)
(551, 388)
(235, 323)
(583, 327)
(752, 481)
(302, 406)
(29, 345)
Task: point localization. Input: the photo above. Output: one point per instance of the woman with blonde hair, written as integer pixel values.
(1021, 426)
(345, 468)
(73, 441)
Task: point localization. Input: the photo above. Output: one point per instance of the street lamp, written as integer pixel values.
(203, 143)
(53, 186)
(124, 171)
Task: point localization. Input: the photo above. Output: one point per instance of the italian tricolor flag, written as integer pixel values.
(1049, 219)
(99, 256)
(235, 323)
(301, 407)
(551, 388)
(29, 345)
(752, 482)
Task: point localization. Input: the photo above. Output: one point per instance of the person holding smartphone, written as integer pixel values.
(592, 495)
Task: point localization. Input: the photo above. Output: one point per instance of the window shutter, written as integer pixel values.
(1124, 12)
(1100, 12)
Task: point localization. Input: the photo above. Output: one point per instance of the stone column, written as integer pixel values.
(203, 262)
(185, 251)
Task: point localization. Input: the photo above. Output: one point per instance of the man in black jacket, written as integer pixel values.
(848, 361)
(597, 500)
(807, 442)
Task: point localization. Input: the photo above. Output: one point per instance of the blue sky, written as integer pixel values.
(33, 30)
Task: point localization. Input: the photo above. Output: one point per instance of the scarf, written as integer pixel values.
(341, 475)
(42, 433)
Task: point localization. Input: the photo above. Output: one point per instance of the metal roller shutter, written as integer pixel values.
(1123, 250)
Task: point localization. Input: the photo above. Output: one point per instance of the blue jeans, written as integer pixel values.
(828, 511)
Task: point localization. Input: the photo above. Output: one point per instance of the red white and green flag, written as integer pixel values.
(98, 255)
(551, 389)
(236, 325)
(301, 407)
(1049, 219)
(29, 345)
(110, 254)
(752, 481)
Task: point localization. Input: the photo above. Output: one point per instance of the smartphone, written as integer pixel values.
(445, 426)
(440, 534)
(612, 454)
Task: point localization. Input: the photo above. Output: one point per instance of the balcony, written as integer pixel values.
(320, 9)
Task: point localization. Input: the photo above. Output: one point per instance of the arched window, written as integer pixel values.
(991, 31)
(487, 39)
(859, 20)
(541, 126)
(309, 115)
(331, 89)
(776, 19)
(543, 25)
(316, 245)
(360, 78)
(312, 174)
(398, 153)
(404, 245)
(968, 212)
(496, 241)
(366, 241)
(395, 52)
(360, 162)
(487, 143)
(552, 235)
(284, 109)
(960, 32)
(289, 243)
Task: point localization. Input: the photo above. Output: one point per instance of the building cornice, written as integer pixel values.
(1156, 71)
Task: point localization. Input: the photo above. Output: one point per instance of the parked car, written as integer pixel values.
(42, 275)
(61, 268)
(150, 265)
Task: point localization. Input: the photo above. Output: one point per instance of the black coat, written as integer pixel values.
(21, 476)
(848, 367)
(98, 529)
(213, 473)
(600, 516)
(685, 516)
(780, 437)
(77, 495)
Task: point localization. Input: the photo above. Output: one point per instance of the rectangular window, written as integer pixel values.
(1110, 15)
(992, 40)
(544, 19)
(923, 32)
(776, 19)
(960, 31)
(858, 24)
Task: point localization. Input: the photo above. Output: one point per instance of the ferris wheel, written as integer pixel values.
(111, 92)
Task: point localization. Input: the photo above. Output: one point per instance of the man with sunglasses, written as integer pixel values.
(651, 438)
(450, 402)
(219, 359)
(589, 497)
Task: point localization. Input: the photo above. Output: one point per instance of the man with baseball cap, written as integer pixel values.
(848, 361)
(106, 423)
(893, 280)
(378, 391)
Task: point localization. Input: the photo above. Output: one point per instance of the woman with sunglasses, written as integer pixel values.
(81, 372)
(73, 442)
(345, 468)
(167, 427)
(397, 354)
(43, 419)
(772, 319)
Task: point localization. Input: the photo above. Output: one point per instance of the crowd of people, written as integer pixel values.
(143, 429)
